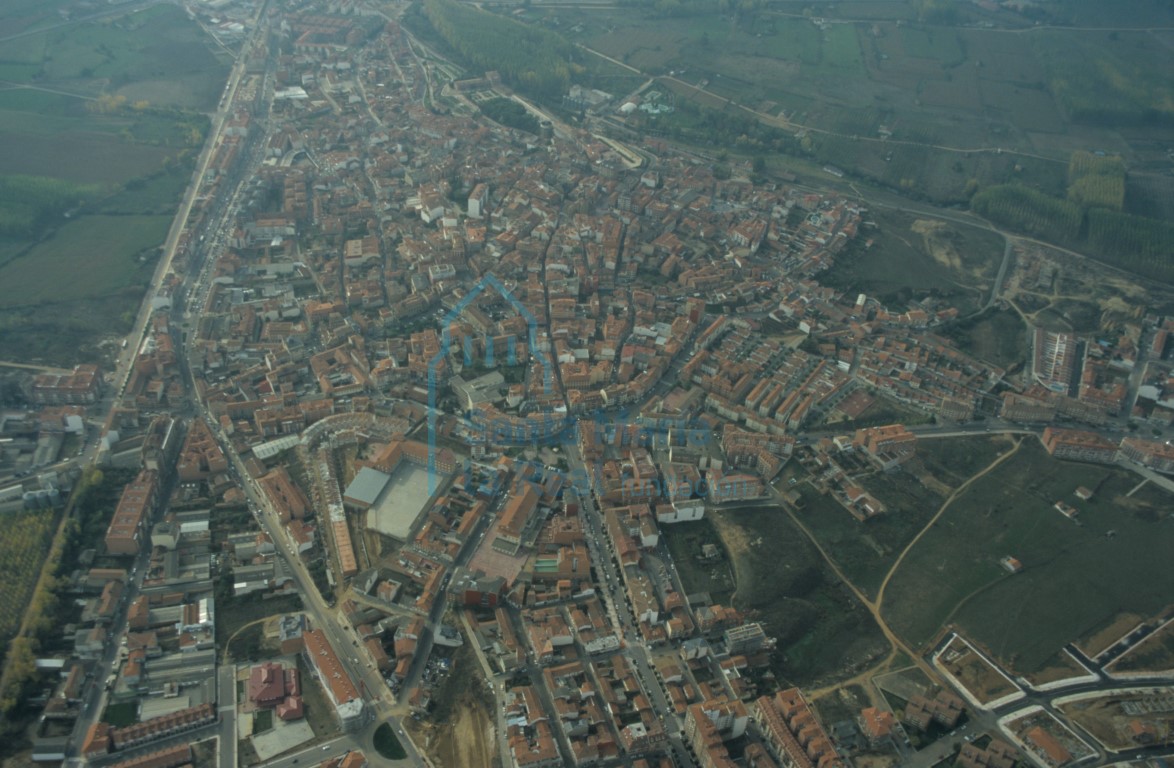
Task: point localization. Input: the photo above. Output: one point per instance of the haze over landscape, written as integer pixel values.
(643, 383)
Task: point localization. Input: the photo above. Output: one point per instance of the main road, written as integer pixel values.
(180, 222)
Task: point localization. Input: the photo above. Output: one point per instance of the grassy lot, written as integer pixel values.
(387, 745)
(910, 258)
(866, 551)
(319, 710)
(234, 612)
(121, 714)
(262, 720)
(823, 631)
(713, 576)
(1075, 576)
(954, 460)
(94, 255)
(997, 336)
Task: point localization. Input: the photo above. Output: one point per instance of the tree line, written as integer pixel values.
(511, 113)
(535, 61)
(1134, 243)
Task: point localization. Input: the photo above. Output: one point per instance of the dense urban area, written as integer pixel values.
(466, 426)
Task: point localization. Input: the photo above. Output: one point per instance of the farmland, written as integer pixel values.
(933, 111)
(1076, 574)
(92, 256)
(22, 549)
(108, 115)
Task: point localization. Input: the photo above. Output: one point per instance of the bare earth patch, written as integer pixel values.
(942, 251)
(1102, 639)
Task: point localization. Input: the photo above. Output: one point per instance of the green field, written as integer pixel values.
(121, 714)
(866, 551)
(123, 55)
(1075, 574)
(911, 257)
(822, 630)
(997, 336)
(387, 745)
(93, 256)
(117, 103)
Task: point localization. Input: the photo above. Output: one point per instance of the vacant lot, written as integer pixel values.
(866, 551)
(1153, 654)
(459, 731)
(713, 575)
(915, 257)
(983, 681)
(997, 336)
(824, 633)
(1077, 574)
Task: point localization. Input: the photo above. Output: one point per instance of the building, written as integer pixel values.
(475, 590)
(135, 507)
(709, 724)
(1079, 445)
(271, 687)
(792, 733)
(887, 446)
(170, 757)
(1154, 454)
(997, 754)
(336, 681)
(81, 387)
(876, 724)
(517, 514)
(1047, 747)
(479, 391)
(478, 201)
(945, 709)
(747, 639)
(364, 490)
(1054, 360)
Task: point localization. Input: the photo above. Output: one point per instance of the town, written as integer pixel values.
(440, 389)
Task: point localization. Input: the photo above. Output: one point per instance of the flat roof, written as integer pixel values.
(404, 497)
(367, 486)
